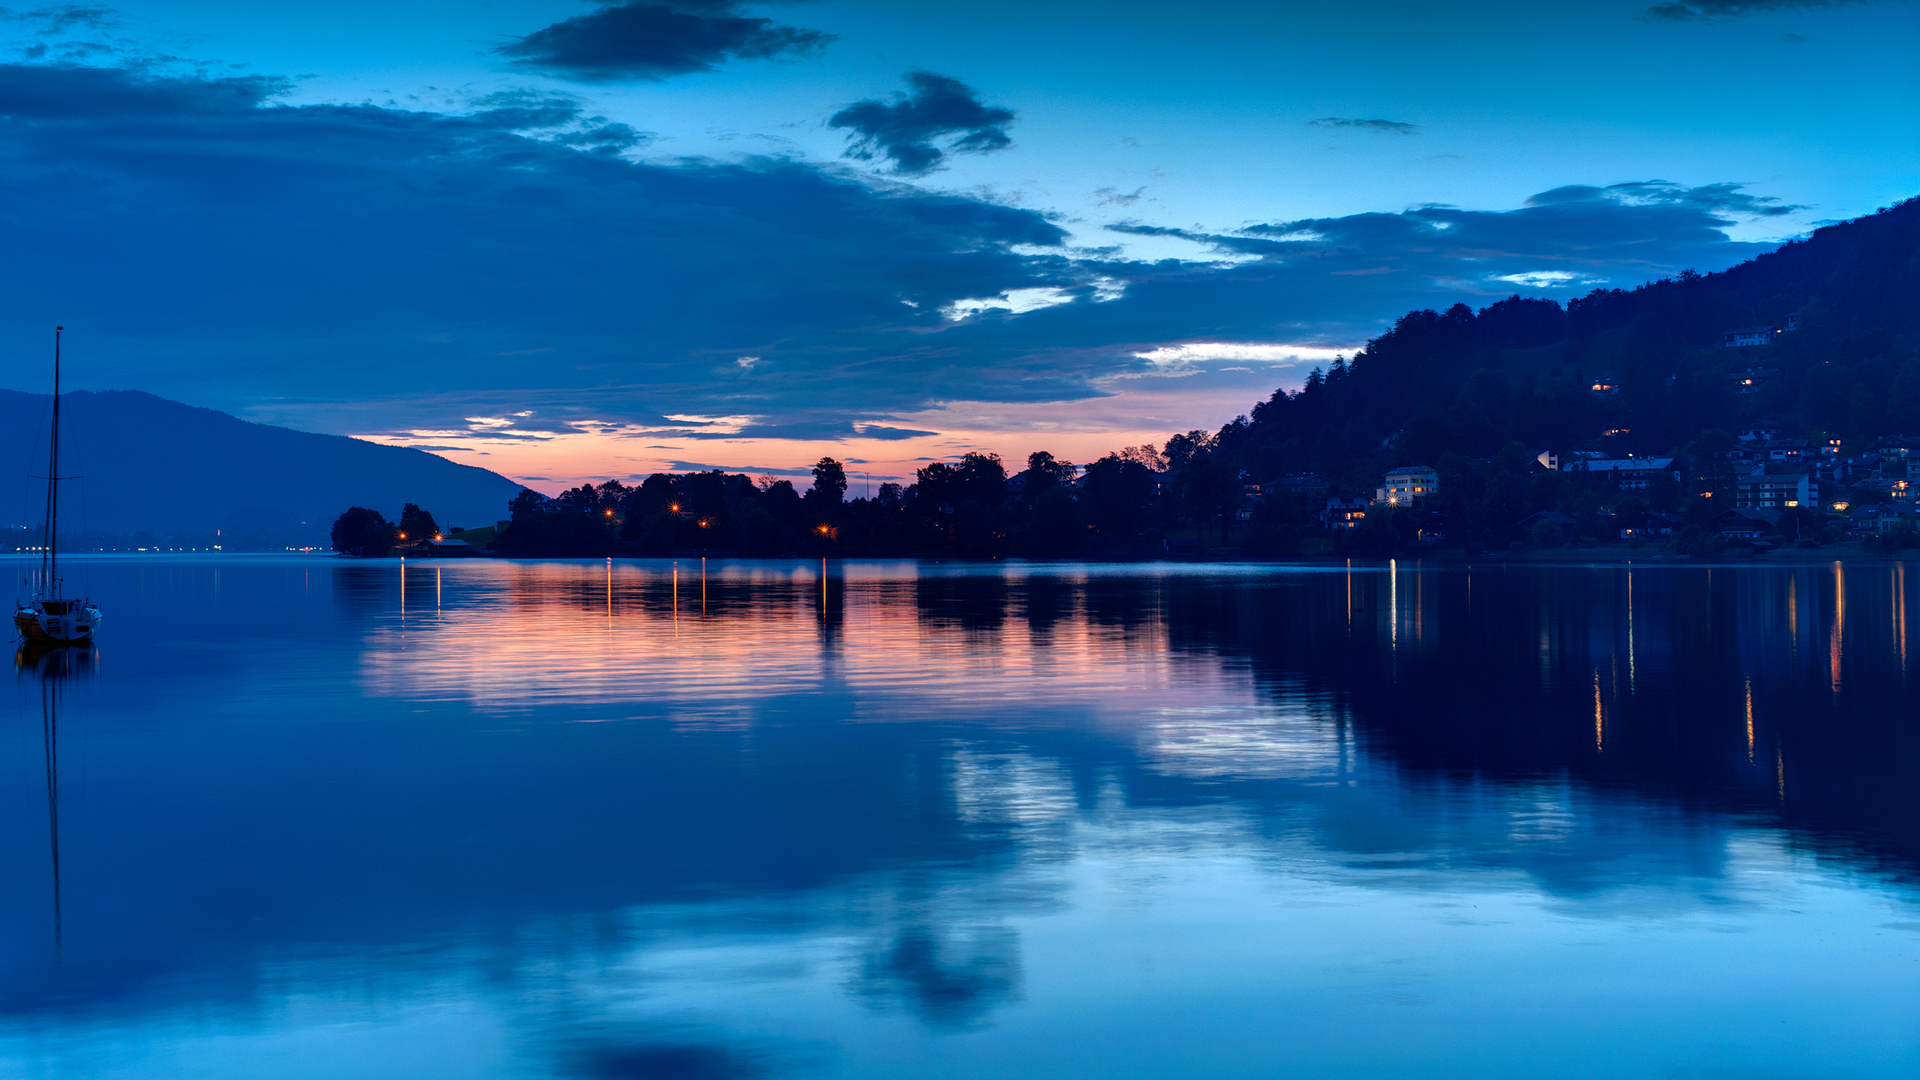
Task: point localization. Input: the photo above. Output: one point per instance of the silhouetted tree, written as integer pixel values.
(829, 484)
(417, 525)
(362, 532)
(1121, 491)
(1056, 528)
(573, 525)
(977, 477)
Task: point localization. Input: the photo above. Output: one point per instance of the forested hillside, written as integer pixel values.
(1523, 370)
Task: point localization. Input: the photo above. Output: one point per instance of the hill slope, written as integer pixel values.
(1523, 370)
(165, 467)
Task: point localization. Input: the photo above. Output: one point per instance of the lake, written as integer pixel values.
(323, 818)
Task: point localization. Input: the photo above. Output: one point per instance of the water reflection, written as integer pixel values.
(51, 667)
(734, 818)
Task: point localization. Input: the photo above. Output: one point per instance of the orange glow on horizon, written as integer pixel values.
(1119, 412)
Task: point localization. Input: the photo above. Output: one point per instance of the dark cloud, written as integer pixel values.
(202, 241)
(656, 40)
(526, 110)
(891, 434)
(755, 470)
(836, 430)
(1107, 196)
(1721, 10)
(200, 224)
(906, 130)
(1720, 199)
(65, 18)
(1390, 127)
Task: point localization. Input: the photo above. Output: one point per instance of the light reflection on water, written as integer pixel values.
(480, 819)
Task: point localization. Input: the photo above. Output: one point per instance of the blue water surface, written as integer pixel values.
(323, 818)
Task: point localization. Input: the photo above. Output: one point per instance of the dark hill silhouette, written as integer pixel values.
(1523, 370)
(158, 465)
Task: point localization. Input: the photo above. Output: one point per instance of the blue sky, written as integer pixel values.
(565, 239)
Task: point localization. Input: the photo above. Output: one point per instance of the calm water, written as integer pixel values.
(572, 820)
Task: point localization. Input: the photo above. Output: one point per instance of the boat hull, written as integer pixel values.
(50, 629)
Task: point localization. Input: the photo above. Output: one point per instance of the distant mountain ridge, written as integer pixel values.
(165, 467)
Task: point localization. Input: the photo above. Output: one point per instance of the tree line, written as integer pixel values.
(368, 534)
(970, 507)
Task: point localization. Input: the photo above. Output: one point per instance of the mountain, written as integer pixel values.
(164, 467)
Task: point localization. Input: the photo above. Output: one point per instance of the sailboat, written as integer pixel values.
(51, 617)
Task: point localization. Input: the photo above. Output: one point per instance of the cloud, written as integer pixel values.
(1016, 301)
(752, 470)
(1107, 196)
(891, 434)
(1191, 352)
(832, 429)
(641, 40)
(65, 18)
(407, 270)
(1720, 200)
(1723, 10)
(906, 129)
(1387, 127)
(1547, 279)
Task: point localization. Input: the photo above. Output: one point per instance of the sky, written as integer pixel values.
(571, 240)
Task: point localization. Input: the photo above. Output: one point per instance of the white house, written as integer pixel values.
(1763, 491)
(1407, 483)
(1742, 336)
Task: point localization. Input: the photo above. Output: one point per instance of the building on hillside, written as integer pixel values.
(1307, 485)
(1750, 380)
(1606, 386)
(1629, 474)
(1653, 524)
(1344, 512)
(447, 548)
(1874, 518)
(1741, 337)
(1745, 523)
(1773, 491)
(1762, 431)
(1893, 451)
(1548, 460)
(1407, 483)
(1793, 320)
(1793, 450)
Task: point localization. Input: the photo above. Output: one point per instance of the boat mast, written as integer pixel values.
(50, 562)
